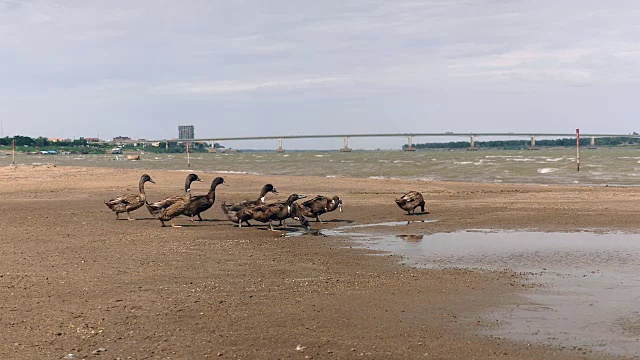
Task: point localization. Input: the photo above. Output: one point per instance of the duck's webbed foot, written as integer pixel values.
(174, 225)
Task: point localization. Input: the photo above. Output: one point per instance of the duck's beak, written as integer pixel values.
(302, 196)
(151, 181)
(274, 191)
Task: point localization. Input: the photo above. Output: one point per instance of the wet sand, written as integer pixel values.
(73, 280)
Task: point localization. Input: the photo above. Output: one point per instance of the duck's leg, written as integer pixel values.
(199, 217)
(117, 216)
(174, 225)
(129, 216)
(318, 219)
(271, 226)
(163, 224)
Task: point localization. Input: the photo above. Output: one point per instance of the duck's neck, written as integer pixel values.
(187, 185)
(141, 186)
(263, 194)
(290, 200)
(212, 190)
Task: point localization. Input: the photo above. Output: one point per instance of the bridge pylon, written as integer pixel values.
(472, 144)
(346, 147)
(280, 149)
(409, 144)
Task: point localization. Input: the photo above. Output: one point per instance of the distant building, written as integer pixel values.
(186, 132)
(119, 139)
(93, 140)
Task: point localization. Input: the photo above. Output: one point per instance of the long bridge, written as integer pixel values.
(409, 137)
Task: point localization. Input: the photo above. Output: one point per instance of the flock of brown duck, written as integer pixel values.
(193, 205)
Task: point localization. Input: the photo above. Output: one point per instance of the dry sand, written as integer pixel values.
(73, 280)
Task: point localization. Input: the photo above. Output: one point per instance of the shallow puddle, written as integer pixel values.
(592, 281)
(389, 223)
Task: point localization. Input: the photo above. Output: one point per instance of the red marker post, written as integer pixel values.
(13, 156)
(578, 148)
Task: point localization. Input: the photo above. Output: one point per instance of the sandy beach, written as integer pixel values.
(74, 280)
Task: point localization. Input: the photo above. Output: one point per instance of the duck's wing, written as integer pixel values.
(310, 202)
(260, 212)
(164, 203)
(124, 199)
(411, 196)
(175, 209)
(197, 203)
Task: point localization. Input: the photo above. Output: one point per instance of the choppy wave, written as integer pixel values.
(611, 166)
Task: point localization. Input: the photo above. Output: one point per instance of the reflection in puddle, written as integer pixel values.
(412, 238)
(339, 231)
(594, 281)
(390, 223)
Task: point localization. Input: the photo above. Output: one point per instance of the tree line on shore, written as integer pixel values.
(525, 144)
(81, 145)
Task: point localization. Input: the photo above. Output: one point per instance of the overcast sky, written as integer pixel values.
(77, 68)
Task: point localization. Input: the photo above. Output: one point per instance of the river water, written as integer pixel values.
(611, 166)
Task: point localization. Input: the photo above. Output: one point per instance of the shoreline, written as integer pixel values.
(76, 280)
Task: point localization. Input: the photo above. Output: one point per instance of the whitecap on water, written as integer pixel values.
(547, 170)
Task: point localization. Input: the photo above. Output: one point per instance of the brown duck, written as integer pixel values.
(167, 209)
(275, 211)
(410, 201)
(201, 203)
(237, 212)
(130, 202)
(320, 205)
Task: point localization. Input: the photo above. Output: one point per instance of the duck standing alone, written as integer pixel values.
(410, 201)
